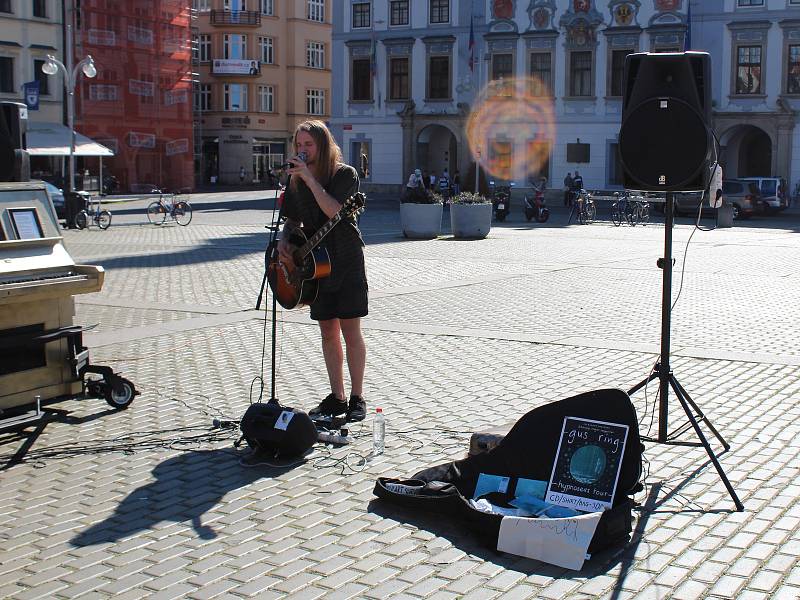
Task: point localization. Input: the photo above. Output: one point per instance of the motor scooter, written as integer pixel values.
(501, 200)
(536, 208)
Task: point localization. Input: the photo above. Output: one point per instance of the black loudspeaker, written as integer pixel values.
(14, 160)
(278, 430)
(665, 141)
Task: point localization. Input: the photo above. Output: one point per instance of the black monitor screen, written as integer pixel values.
(578, 153)
(26, 223)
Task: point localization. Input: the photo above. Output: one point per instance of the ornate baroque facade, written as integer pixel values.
(411, 76)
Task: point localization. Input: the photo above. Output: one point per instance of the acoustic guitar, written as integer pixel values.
(298, 283)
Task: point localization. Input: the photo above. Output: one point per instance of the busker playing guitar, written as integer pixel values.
(315, 193)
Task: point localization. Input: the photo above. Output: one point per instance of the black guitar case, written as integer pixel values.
(528, 451)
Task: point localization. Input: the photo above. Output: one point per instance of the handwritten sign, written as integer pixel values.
(587, 464)
(561, 542)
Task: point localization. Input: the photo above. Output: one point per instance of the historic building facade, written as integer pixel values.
(414, 72)
(262, 67)
(139, 105)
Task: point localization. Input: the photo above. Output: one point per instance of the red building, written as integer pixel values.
(140, 103)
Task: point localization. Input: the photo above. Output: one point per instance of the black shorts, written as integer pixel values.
(345, 298)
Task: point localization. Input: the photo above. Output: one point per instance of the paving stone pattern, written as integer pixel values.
(151, 502)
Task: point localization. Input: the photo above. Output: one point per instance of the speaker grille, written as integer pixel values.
(664, 144)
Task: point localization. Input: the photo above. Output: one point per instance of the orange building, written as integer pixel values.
(140, 103)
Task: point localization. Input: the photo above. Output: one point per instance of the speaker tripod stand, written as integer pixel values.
(666, 377)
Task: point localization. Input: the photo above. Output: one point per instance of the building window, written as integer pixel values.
(202, 97)
(541, 73)
(315, 55)
(439, 11)
(315, 102)
(267, 7)
(617, 72)
(40, 8)
(748, 70)
(205, 47)
(502, 74)
(362, 80)
(316, 10)
(500, 159)
(538, 160)
(41, 77)
(399, 88)
(793, 71)
(201, 5)
(266, 98)
(236, 97)
(7, 74)
(580, 74)
(361, 14)
(439, 77)
(235, 46)
(750, 2)
(5, 6)
(399, 12)
(266, 50)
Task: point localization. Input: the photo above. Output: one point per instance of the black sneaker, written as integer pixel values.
(331, 405)
(356, 408)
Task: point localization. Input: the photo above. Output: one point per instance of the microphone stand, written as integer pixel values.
(269, 253)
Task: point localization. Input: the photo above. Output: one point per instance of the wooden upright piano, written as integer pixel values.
(41, 351)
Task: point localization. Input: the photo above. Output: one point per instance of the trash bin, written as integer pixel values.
(73, 204)
(725, 216)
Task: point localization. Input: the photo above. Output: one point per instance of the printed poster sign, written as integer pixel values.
(141, 140)
(172, 97)
(235, 66)
(587, 464)
(31, 91)
(102, 37)
(137, 87)
(180, 146)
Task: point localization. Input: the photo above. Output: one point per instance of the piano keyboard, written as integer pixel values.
(61, 276)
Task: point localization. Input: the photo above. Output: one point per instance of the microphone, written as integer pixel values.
(223, 424)
(287, 165)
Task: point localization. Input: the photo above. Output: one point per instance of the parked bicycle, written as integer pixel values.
(584, 207)
(169, 203)
(96, 215)
(640, 210)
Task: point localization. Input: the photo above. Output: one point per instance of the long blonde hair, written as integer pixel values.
(329, 155)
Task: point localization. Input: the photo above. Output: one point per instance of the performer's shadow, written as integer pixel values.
(185, 488)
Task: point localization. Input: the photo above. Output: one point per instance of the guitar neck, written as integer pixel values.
(315, 239)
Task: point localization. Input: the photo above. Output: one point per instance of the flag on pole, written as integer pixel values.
(688, 39)
(471, 46)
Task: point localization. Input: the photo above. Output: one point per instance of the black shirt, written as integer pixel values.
(343, 243)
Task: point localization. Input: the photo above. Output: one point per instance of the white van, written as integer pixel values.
(773, 191)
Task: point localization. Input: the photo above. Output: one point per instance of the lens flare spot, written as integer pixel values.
(511, 129)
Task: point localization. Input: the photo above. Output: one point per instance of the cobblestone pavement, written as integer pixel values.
(462, 335)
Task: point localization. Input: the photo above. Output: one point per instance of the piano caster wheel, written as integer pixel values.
(122, 399)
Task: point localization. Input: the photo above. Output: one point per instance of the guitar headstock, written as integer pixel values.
(354, 204)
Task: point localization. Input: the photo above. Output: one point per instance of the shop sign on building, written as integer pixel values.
(176, 97)
(102, 37)
(141, 140)
(235, 66)
(180, 146)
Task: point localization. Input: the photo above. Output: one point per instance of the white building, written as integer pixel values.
(408, 85)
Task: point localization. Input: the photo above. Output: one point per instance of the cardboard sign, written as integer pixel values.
(587, 464)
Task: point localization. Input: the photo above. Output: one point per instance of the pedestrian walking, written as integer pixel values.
(456, 183)
(568, 189)
(241, 175)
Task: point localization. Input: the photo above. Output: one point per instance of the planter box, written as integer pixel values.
(471, 220)
(421, 221)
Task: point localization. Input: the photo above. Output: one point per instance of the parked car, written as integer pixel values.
(773, 191)
(743, 196)
(57, 197)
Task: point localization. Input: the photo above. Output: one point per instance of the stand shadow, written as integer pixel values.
(186, 487)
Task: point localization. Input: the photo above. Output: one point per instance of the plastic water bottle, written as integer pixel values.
(378, 432)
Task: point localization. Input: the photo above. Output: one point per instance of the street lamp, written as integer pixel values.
(51, 67)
